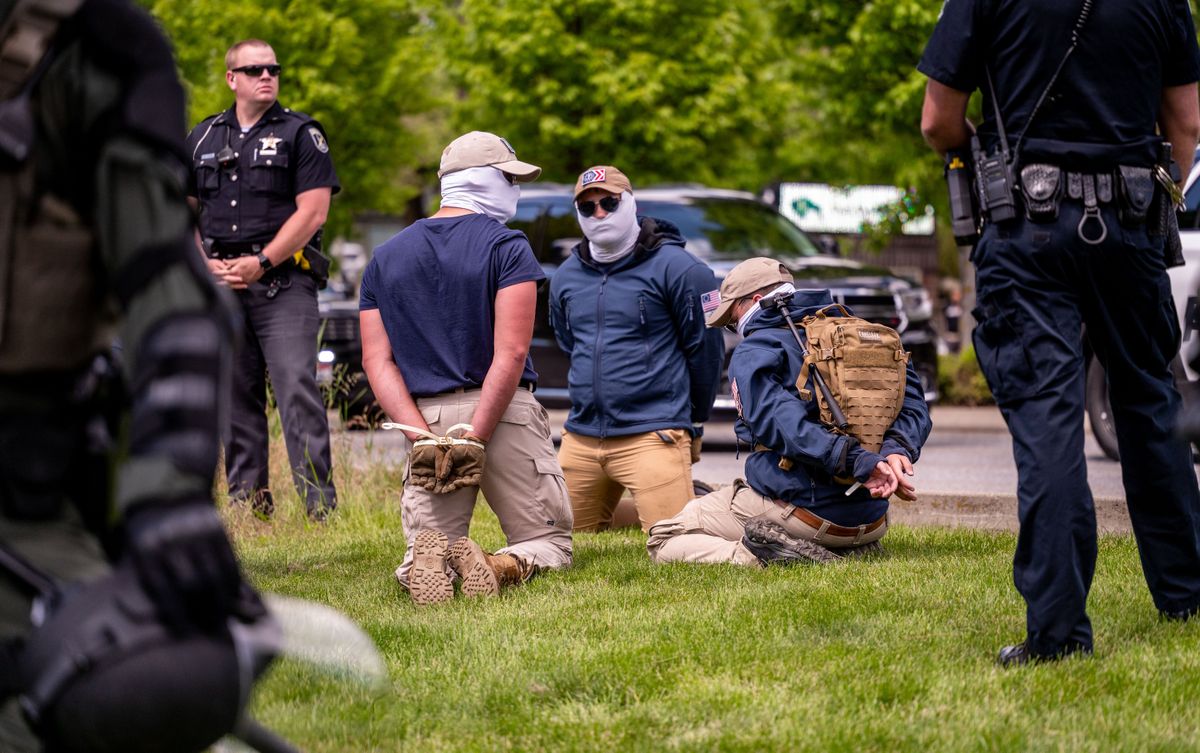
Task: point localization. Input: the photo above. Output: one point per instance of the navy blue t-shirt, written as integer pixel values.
(434, 284)
(1103, 107)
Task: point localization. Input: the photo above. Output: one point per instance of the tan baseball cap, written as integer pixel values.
(483, 149)
(604, 177)
(747, 277)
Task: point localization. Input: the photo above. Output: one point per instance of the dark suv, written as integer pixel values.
(722, 228)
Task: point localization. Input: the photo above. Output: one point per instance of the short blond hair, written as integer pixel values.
(231, 55)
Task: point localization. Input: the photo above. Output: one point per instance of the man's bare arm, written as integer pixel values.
(384, 375)
(1179, 119)
(515, 306)
(944, 121)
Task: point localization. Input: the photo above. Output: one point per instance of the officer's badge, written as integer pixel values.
(318, 139)
(269, 145)
(595, 175)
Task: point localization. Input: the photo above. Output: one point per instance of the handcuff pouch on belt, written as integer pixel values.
(1136, 187)
(1042, 189)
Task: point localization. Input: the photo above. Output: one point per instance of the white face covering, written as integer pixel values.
(785, 287)
(613, 237)
(484, 190)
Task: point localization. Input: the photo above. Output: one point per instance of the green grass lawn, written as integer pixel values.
(618, 654)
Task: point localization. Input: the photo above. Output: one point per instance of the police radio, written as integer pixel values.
(994, 180)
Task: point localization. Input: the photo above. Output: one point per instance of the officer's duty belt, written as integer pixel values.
(1045, 186)
(222, 250)
(816, 521)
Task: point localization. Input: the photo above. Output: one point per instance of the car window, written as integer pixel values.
(724, 229)
(528, 220)
(562, 230)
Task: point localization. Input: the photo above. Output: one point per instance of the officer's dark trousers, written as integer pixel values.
(1037, 284)
(280, 339)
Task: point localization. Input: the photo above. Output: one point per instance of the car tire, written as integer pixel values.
(1099, 410)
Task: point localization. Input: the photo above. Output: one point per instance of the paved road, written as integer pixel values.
(966, 476)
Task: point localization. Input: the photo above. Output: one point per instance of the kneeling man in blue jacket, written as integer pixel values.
(628, 306)
(798, 509)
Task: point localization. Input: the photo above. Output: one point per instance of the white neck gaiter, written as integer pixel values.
(615, 236)
(484, 190)
(785, 287)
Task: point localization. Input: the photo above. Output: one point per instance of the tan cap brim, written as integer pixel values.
(522, 171)
(722, 314)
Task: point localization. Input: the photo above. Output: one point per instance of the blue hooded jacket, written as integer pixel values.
(762, 375)
(641, 357)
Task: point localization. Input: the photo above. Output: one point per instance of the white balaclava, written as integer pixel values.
(613, 237)
(785, 287)
(485, 190)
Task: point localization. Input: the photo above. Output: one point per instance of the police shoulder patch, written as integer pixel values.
(318, 139)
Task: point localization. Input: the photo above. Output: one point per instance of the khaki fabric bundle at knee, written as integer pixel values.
(445, 464)
(864, 365)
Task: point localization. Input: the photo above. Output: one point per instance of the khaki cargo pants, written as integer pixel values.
(522, 483)
(709, 529)
(656, 468)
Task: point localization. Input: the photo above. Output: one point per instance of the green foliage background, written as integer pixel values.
(732, 93)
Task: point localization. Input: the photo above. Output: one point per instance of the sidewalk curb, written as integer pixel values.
(992, 512)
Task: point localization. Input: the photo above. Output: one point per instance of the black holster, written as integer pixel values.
(1136, 190)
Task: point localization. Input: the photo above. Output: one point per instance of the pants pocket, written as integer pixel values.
(1000, 348)
(552, 496)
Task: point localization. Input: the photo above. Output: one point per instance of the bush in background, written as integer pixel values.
(960, 380)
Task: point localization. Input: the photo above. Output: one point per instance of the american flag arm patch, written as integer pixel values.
(710, 300)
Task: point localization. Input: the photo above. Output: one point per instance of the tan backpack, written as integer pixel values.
(864, 365)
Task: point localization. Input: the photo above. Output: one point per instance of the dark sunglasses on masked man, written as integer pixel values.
(608, 204)
(254, 71)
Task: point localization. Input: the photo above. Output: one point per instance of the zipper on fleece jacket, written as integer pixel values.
(596, 355)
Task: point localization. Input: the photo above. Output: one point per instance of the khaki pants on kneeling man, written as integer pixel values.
(709, 529)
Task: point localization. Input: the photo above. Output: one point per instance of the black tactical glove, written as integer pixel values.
(184, 560)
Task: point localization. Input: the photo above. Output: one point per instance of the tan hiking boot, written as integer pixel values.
(485, 574)
(427, 580)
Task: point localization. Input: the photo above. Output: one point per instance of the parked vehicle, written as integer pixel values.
(722, 228)
(1185, 281)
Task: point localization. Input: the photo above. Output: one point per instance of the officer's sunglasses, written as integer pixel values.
(608, 204)
(255, 71)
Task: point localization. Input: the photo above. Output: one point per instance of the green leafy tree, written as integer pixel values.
(670, 90)
(366, 70)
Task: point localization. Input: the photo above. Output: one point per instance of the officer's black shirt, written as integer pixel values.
(1103, 109)
(285, 153)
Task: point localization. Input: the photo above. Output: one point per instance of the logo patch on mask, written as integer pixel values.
(710, 301)
(592, 176)
(318, 139)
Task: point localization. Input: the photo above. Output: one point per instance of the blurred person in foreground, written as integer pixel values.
(107, 467)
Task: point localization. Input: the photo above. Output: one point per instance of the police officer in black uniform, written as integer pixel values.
(263, 178)
(1078, 245)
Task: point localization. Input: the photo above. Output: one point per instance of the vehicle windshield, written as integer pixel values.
(732, 229)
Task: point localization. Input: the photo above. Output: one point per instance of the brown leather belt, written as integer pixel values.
(806, 517)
